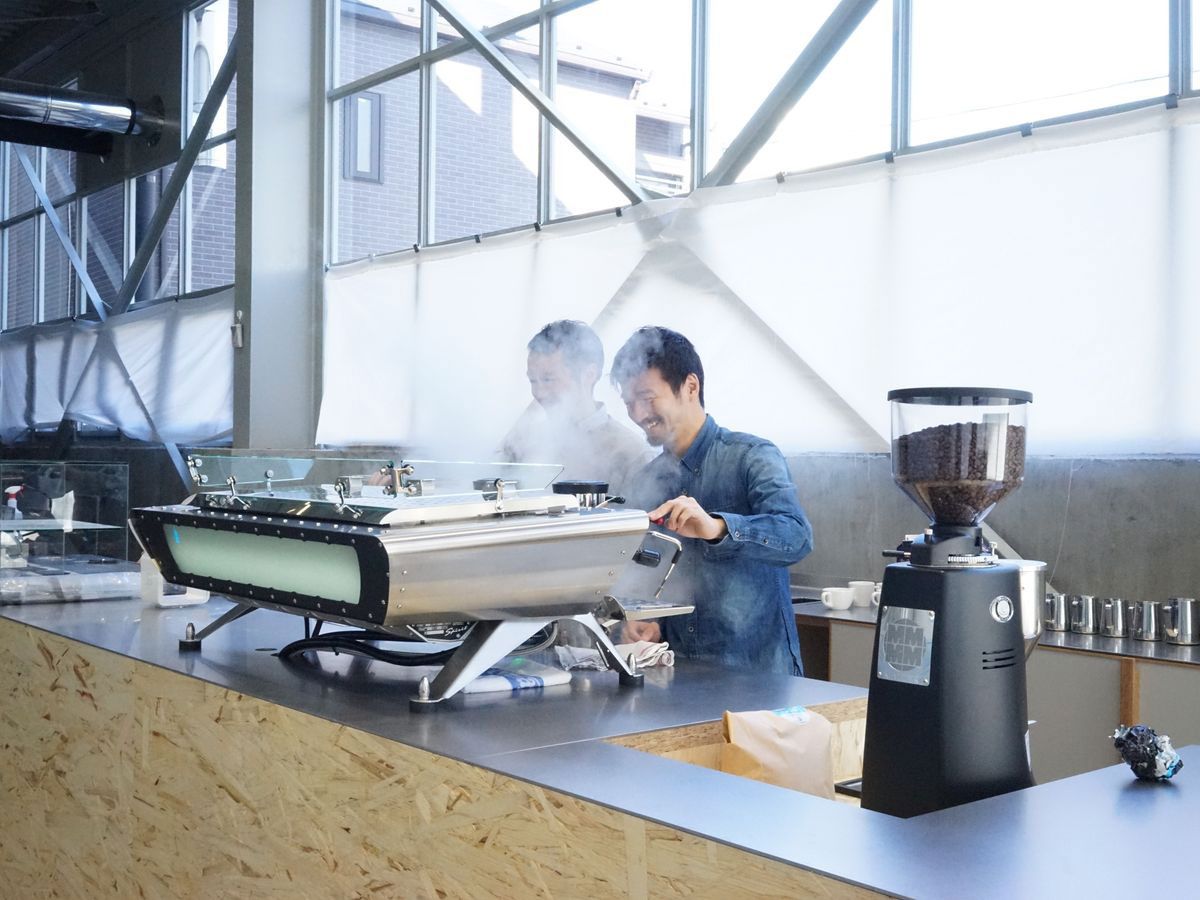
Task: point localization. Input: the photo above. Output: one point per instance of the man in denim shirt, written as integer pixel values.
(729, 497)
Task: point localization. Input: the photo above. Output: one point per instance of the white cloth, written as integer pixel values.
(645, 653)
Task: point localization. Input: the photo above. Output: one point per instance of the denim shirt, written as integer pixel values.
(739, 584)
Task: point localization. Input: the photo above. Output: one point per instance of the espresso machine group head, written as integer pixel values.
(946, 712)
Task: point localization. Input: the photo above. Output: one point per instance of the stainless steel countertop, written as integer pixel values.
(1152, 651)
(1002, 847)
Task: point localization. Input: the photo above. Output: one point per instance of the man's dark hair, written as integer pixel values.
(654, 347)
(580, 345)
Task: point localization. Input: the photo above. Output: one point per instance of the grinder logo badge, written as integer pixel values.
(905, 645)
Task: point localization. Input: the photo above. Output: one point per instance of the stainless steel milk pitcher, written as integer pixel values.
(1114, 618)
(1085, 614)
(1147, 620)
(1056, 613)
(1179, 621)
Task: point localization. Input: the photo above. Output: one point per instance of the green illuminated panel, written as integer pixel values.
(329, 571)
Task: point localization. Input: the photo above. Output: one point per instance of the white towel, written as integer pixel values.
(645, 654)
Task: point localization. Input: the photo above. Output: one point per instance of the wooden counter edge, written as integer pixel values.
(129, 780)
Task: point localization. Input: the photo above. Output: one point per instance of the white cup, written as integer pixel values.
(862, 591)
(837, 597)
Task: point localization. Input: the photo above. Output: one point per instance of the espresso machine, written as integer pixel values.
(946, 713)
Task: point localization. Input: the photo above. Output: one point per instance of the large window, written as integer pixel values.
(103, 224)
(464, 153)
(474, 156)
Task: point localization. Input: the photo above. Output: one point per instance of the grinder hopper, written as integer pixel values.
(957, 452)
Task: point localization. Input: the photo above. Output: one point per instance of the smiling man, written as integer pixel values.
(731, 499)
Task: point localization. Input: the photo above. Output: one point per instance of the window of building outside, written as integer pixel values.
(362, 137)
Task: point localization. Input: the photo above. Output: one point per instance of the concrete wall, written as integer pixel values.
(1120, 527)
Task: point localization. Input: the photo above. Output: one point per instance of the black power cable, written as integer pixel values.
(362, 643)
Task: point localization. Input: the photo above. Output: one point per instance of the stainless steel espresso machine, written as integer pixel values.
(946, 712)
(421, 551)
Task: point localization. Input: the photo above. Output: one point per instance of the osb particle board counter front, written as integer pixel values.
(133, 770)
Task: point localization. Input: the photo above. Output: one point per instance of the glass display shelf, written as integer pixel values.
(63, 532)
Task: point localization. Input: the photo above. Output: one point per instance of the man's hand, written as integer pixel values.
(684, 516)
(643, 630)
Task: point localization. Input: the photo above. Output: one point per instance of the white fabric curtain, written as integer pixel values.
(164, 373)
(1060, 263)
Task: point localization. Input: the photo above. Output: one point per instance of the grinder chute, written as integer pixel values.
(946, 716)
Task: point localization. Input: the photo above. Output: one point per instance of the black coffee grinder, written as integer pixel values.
(946, 713)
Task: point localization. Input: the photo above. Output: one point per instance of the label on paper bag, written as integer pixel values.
(795, 713)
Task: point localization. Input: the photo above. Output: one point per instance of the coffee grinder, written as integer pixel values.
(946, 713)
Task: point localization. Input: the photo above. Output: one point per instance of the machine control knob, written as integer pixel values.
(1002, 608)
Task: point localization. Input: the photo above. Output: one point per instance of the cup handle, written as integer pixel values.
(825, 599)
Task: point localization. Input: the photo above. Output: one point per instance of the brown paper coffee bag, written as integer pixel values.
(790, 748)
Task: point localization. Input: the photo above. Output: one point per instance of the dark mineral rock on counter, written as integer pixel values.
(1148, 753)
